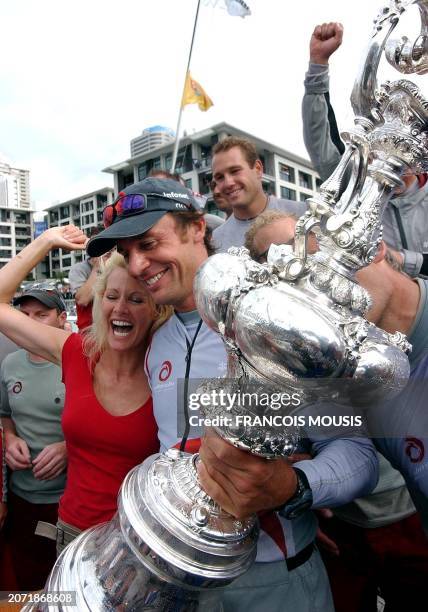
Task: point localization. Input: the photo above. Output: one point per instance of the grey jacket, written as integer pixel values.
(325, 150)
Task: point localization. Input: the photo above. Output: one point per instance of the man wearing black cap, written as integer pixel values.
(32, 400)
(158, 227)
(155, 224)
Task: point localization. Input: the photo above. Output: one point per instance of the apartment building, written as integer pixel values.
(84, 211)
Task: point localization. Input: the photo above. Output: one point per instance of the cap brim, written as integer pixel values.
(46, 300)
(125, 227)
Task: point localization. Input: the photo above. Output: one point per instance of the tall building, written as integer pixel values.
(14, 186)
(151, 138)
(285, 175)
(16, 216)
(84, 211)
(16, 231)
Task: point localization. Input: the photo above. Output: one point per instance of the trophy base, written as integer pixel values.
(169, 547)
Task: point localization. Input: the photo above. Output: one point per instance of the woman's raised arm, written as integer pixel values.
(33, 336)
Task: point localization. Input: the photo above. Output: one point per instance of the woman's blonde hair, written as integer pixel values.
(95, 337)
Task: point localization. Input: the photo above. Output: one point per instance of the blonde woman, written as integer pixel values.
(108, 418)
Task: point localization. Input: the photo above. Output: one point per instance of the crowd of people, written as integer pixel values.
(342, 520)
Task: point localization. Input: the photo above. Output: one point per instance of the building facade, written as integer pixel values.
(16, 216)
(14, 186)
(85, 212)
(16, 231)
(286, 175)
(151, 138)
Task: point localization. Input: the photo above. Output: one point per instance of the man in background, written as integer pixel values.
(237, 172)
(32, 400)
(405, 219)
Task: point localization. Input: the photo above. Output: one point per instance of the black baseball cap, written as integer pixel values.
(162, 196)
(48, 297)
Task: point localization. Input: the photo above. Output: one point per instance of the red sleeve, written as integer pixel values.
(72, 347)
(2, 468)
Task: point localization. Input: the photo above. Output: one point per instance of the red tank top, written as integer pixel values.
(102, 448)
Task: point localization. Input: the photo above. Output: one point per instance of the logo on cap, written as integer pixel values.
(173, 194)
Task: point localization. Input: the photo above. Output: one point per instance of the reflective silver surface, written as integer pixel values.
(169, 547)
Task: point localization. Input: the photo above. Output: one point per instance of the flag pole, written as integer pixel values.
(177, 131)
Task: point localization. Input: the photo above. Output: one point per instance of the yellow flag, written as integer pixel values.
(195, 94)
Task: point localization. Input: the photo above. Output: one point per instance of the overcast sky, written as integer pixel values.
(79, 79)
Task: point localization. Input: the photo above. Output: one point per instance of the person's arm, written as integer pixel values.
(34, 336)
(3, 506)
(17, 451)
(341, 470)
(320, 131)
(50, 462)
(242, 483)
(17, 454)
(83, 284)
(405, 236)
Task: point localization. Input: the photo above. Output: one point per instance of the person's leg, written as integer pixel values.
(270, 586)
(33, 556)
(404, 578)
(354, 573)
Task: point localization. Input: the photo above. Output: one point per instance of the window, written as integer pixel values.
(22, 218)
(144, 169)
(268, 187)
(205, 161)
(287, 173)
(101, 200)
(184, 160)
(288, 194)
(188, 183)
(305, 180)
(88, 220)
(303, 197)
(318, 183)
(4, 229)
(6, 242)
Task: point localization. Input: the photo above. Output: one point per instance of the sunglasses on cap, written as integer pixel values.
(135, 203)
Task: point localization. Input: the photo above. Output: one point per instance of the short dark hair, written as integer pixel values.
(247, 147)
(184, 220)
(159, 173)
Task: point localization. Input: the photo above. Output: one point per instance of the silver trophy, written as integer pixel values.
(296, 323)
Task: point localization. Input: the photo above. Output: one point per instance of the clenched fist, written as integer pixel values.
(325, 39)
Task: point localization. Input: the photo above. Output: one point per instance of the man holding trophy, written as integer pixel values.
(166, 259)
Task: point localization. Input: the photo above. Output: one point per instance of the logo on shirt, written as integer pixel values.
(17, 387)
(415, 450)
(165, 371)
